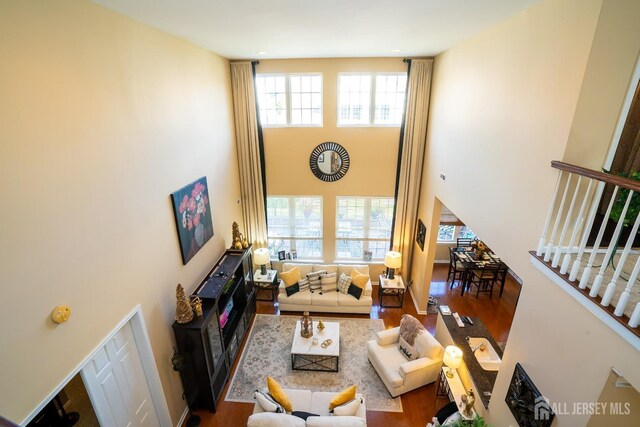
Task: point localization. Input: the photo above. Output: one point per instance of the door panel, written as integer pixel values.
(117, 384)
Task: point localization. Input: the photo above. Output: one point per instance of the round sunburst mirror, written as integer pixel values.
(329, 161)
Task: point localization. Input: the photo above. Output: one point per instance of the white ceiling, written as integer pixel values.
(321, 28)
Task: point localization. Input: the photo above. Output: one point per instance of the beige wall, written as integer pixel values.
(373, 151)
(611, 62)
(101, 118)
(624, 399)
(502, 108)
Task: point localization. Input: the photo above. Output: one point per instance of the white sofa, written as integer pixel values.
(396, 372)
(312, 402)
(325, 302)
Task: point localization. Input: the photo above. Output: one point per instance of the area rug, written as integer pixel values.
(268, 352)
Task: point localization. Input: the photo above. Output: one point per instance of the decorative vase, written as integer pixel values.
(198, 234)
(306, 325)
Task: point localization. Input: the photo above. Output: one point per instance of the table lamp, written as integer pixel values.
(392, 260)
(452, 358)
(261, 257)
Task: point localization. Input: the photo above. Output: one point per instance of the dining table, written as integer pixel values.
(471, 263)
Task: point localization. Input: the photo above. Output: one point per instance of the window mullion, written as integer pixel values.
(287, 91)
(372, 94)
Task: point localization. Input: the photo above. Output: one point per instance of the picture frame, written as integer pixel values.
(288, 255)
(421, 234)
(294, 254)
(281, 255)
(192, 214)
(367, 255)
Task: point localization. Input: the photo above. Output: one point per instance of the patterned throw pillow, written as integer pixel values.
(314, 284)
(344, 282)
(407, 350)
(316, 274)
(303, 284)
(267, 403)
(329, 278)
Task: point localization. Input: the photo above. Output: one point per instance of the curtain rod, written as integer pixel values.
(406, 60)
(255, 61)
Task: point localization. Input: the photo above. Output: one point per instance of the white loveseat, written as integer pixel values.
(396, 372)
(312, 402)
(325, 302)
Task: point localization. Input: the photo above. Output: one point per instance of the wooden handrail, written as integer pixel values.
(600, 176)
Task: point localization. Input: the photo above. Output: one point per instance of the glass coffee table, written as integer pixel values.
(323, 355)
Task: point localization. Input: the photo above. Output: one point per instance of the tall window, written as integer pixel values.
(363, 227)
(295, 224)
(449, 233)
(354, 99)
(272, 99)
(389, 101)
(289, 99)
(371, 99)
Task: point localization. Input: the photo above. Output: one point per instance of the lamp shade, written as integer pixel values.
(393, 259)
(452, 356)
(261, 256)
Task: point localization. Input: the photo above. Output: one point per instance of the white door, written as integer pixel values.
(117, 384)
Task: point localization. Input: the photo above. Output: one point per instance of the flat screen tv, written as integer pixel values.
(224, 316)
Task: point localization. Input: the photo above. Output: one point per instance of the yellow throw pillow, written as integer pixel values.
(278, 394)
(290, 277)
(359, 279)
(344, 396)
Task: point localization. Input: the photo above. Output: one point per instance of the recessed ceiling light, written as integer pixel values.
(262, 52)
(395, 50)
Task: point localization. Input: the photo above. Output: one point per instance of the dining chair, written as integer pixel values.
(484, 279)
(503, 271)
(463, 242)
(456, 269)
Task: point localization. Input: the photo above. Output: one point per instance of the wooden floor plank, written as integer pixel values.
(418, 405)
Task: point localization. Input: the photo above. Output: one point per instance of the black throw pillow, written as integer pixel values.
(304, 415)
(354, 290)
(292, 289)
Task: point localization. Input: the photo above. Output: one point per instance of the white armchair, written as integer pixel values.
(399, 374)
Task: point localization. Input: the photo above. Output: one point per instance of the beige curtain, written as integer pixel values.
(248, 147)
(411, 160)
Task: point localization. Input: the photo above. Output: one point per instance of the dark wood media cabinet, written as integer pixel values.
(210, 344)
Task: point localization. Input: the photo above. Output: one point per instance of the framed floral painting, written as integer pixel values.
(192, 213)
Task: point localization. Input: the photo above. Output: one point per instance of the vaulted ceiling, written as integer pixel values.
(320, 29)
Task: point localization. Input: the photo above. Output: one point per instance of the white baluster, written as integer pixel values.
(624, 297)
(635, 317)
(541, 245)
(611, 287)
(549, 252)
(567, 221)
(576, 227)
(612, 244)
(586, 273)
(587, 230)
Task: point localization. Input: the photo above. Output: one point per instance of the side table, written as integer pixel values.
(391, 289)
(266, 283)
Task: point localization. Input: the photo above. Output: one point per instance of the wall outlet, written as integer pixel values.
(443, 177)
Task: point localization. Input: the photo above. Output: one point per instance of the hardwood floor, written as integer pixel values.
(418, 405)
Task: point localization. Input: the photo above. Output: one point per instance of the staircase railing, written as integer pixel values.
(602, 264)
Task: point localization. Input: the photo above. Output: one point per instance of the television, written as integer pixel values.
(224, 316)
